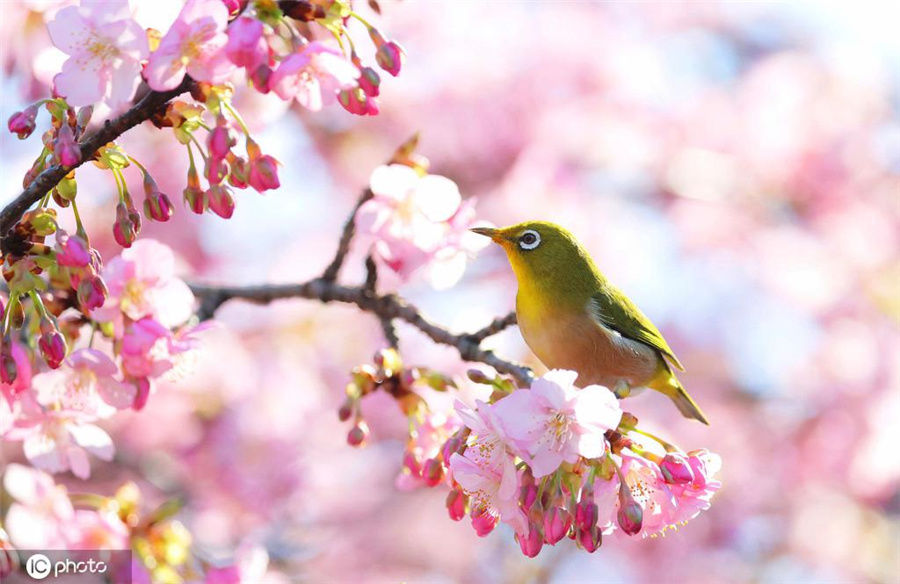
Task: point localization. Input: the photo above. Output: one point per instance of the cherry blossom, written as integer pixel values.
(57, 441)
(554, 421)
(105, 47)
(40, 515)
(313, 76)
(142, 283)
(194, 45)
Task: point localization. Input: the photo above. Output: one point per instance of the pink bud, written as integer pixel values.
(53, 348)
(369, 81)
(411, 463)
(66, 150)
(586, 513)
(452, 445)
(532, 542)
(557, 522)
(8, 369)
(233, 6)
(22, 123)
(590, 539)
(124, 230)
(196, 199)
(390, 57)
(220, 140)
(456, 504)
(483, 522)
(630, 517)
(74, 251)
(358, 434)
(345, 411)
(357, 102)
(264, 173)
(143, 393)
(528, 495)
(158, 207)
(91, 293)
(432, 472)
(260, 78)
(240, 172)
(220, 201)
(676, 469)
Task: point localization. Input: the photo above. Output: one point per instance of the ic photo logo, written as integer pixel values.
(38, 566)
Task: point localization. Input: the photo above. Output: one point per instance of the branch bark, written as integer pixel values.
(111, 129)
(386, 307)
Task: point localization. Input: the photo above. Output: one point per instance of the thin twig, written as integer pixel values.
(498, 324)
(331, 272)
(387, 306)
(111, 129)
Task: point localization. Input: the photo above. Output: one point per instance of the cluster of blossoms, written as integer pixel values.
(126, 324)
(416, 220)
(551, 461)
(43, 515)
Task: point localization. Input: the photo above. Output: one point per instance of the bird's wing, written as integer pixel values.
(614, 310)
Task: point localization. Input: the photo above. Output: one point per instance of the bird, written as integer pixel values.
(572, 317)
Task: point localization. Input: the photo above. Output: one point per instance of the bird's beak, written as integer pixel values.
(495, 234)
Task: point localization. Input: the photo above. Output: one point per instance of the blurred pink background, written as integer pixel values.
(734, 168)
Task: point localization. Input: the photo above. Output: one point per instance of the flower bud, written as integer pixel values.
(66, 149)
(196, 199)
(53, 348)
(143, 393)
(586, 513)
(483, 522)
(124, 229)
(84, 117)
(357, 102)
(675, 469)
(451, 446)
(301, 10)
(590, 539)
(369, 81)
(239, 177)
(233, 6)
(220, 140)
(22, 123)
(557, 522)
(73, 251)
(456, 504)
(432, 472)
(158, 207)
(91, 293)
(345, 411)
(531, 542)
(358, 434)
(9, 371)
(630, 517)
(390, 57)
(264, 173)
(220, 201)
(260, 78)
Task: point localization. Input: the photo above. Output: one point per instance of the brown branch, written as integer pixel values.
(498, 324)
(385, 307)
(111, 129)
(331, 272)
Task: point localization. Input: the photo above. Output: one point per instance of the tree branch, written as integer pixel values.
(331, 272)
(112, 129)
(385, 307)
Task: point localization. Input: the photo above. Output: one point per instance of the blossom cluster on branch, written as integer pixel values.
(83, 338)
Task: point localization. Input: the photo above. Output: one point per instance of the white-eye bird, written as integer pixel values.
(573, 318)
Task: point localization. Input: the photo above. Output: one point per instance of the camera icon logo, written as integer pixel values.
(38, 566)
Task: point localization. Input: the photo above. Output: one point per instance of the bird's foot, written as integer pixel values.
(622, 389)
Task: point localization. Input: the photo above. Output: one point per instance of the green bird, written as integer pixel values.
(573, 318)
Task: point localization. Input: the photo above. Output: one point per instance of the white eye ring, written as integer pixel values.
(529, 243)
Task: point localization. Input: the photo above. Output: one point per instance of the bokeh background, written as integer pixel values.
(735, 168)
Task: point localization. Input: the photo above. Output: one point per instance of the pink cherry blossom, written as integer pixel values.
(694, 497)
(105, 47)
(416, 220)
(146, 349)
(94, 529)
(554, 421)
(648, 487)
(195, 44)
(142, 283)
(313, 76)
(425, 442)
(247, 46)
(492, 489)
(41, 513)
(57, 441)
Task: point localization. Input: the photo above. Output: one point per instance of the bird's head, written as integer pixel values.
(538, 250)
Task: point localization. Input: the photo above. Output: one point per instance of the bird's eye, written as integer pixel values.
(530, 239)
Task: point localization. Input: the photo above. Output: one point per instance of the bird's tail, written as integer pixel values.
(671, 387)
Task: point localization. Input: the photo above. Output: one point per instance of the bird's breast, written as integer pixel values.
(565, 338)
